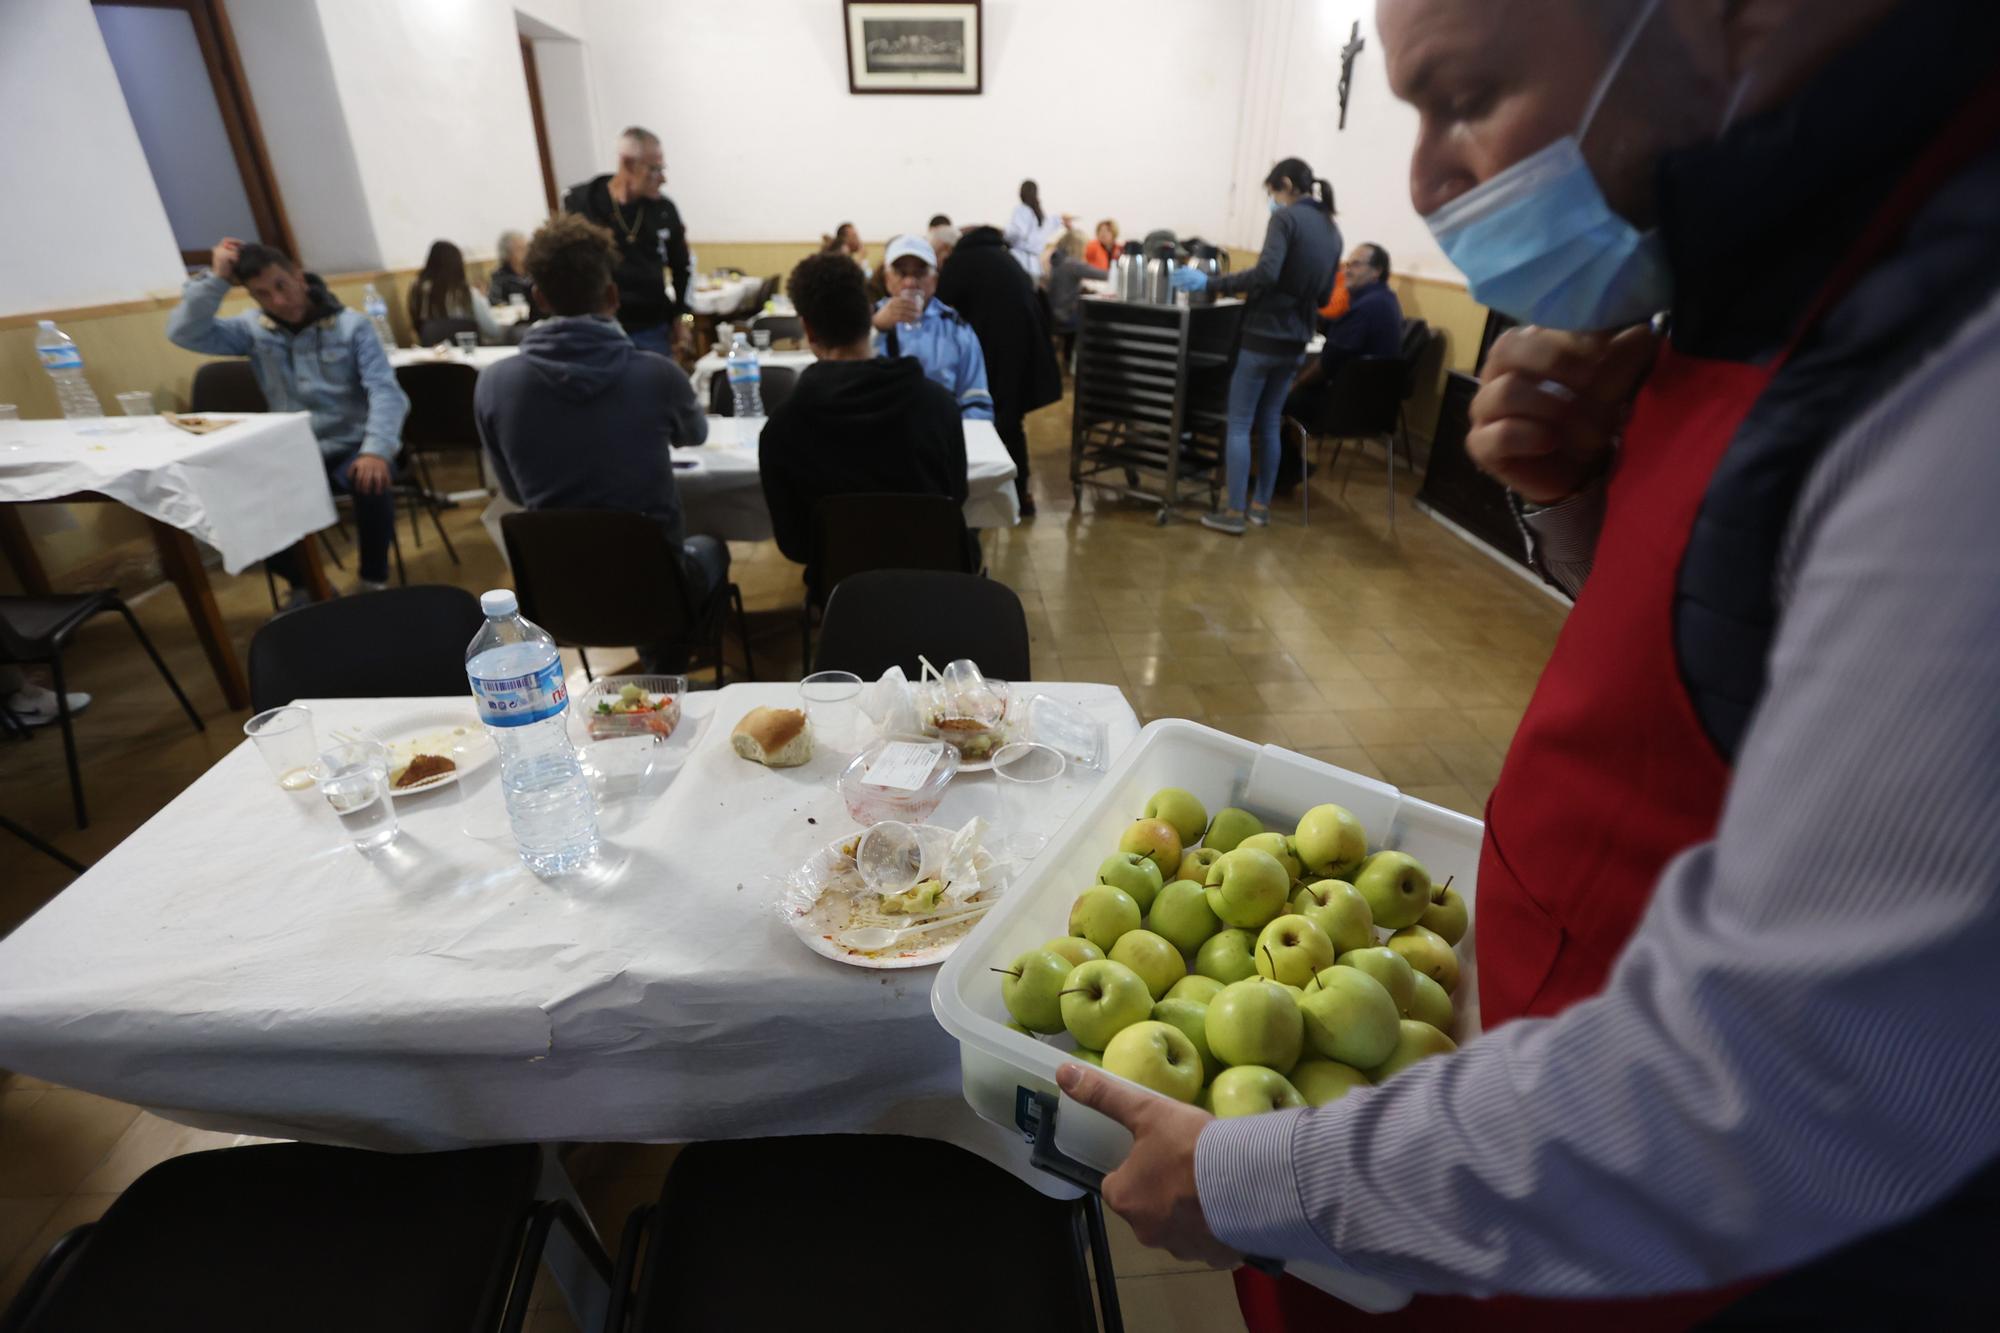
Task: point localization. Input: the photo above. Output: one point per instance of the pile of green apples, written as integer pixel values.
(1242, 969)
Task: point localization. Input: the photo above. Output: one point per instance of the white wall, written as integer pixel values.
(173, 108)
(1294, 107)
(577, 148)
(1126, 108)
(84, 223)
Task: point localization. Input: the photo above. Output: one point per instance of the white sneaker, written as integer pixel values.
(35, 706)
(370, 585)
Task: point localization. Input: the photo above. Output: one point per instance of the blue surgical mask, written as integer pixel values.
(1271, 202)
(1539, 242)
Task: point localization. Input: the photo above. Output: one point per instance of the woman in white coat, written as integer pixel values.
(1030, 231)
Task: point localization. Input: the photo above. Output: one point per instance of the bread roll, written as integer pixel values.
(774, 737)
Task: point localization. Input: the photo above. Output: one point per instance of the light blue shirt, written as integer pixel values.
(950, 354)
(335, 369)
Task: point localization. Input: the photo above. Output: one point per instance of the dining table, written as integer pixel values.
(479, 358)
(249, 488)
(237, 964)
(715, 362)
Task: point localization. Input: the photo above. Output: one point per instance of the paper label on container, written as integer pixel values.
(905, 765)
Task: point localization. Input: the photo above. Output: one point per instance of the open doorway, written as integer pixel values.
(183, 83)
(541, 121)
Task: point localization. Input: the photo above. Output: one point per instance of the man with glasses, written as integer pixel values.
(651, 241)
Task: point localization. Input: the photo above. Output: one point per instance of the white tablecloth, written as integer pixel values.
(715, 361)
(722, 298)
(249, 489)
(478, 358)
(235, 963)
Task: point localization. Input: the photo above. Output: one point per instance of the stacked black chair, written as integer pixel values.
(378, 645)
(892, 617)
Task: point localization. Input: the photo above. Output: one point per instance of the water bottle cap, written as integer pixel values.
(499, 602)
(48, 324)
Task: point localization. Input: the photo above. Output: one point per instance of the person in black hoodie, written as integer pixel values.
(856, 422)
(650, 238)
(984, 284)
(582, 419)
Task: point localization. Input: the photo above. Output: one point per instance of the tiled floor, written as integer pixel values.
(1407, 657)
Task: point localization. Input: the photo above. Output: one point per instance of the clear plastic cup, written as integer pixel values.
(467, 342)
(284, 736)
(1027, 773)
(760, 339)
(354, 778)
(137, 403)
(833, 703)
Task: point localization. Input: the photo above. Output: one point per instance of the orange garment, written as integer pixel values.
(1336, 304)
(1095, 255)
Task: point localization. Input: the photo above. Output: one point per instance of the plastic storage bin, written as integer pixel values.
(1001, 1067)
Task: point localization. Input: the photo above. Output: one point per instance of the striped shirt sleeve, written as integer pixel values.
(1801, 1043)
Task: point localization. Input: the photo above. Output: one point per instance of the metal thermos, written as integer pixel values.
(1209, 261)
(1129, 270)
(1160, 279)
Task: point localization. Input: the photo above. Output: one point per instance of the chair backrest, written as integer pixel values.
(853, 534)
(440, 406)
(442, 330)
(775, 385)
(369, 646)
(782, 328)
(1426, 367)
(1416, 333)
(1366, 395)
(889, 617)
(598, 578)
(227, 386)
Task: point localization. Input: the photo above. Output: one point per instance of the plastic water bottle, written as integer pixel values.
(65, 366)
(745, 378)
(378, 314)
(517, 681)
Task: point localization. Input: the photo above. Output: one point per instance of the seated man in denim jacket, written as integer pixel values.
(310, 354)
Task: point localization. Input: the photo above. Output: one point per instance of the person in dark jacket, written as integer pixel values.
(651, 241)
(582, 419)
(1372, 326)
(983, 283)
(1290, 282)
(856, 422)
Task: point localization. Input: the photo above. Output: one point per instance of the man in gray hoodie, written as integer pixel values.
(582, 419)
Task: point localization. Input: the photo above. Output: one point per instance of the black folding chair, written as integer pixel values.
(1364, 402)
(890, 617)
(443, 330)
(782, 328)
(882, 530)
(400, 641)
(1018, 1259)
(775, 385)
(308, 1239)
(597, 578)
(440, 422)
(35, 630)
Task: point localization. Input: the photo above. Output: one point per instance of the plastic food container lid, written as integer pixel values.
(899, 777)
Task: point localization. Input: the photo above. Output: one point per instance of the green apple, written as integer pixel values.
(1201, 1099)
(1229, 828)
(1155, 840)
(1181, 913)
(1429, 1004)
(1331, 841)
(1075, 948)
(1102, 998)
(1225, 956)
(1158, 963)
(1397, 888)
(1255, 1022)
(1415, 1042)
(1088, 1056)
(1134, 874)
(1388, 967)
(1428, 955)
(1350, 1017)
(1337, 908)
(1102, 914)
(1032, 989)
(1446, 914)
(1195, 864)
(1195, 987)
(1251, 1090)
(1280, 848)
(1247, 888)
(1181, 808)
(1291, 949)
(1323, 1081)
(1016, 1027)
(1192, 1018)
(1156, 1055)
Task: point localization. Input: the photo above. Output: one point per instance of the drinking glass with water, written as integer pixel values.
(354, 778)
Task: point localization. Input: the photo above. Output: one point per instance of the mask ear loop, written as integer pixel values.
(1611, 71)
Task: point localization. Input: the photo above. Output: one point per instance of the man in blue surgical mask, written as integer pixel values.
(1736, 909)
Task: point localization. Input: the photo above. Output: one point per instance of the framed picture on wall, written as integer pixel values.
(913, 46)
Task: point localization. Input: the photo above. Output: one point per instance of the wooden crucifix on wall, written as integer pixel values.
(1347, 54)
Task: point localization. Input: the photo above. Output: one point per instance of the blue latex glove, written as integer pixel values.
(1188, 279)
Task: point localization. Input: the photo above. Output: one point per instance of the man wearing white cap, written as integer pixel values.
(913, 322)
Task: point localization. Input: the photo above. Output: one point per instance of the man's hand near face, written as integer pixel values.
(902, 308)
(222, 259)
